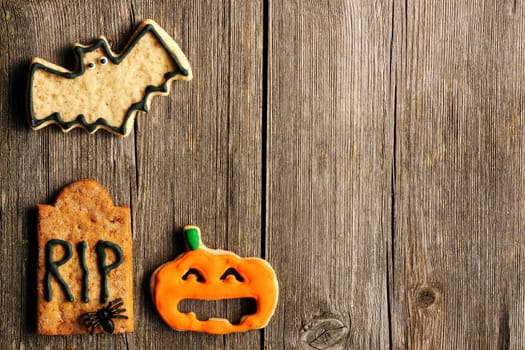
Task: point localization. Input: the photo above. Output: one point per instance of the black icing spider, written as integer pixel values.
(103, 316)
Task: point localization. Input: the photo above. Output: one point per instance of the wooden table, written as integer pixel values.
(371, 151)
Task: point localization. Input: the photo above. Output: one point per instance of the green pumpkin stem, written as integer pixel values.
(192, 235)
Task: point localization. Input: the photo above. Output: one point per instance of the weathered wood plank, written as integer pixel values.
(330, 122)
(363, 97)
(199, 156)
(43, 162)
(459, 190)
(194, 158)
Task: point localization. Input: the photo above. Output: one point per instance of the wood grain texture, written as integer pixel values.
(199, 158)
(194, 158)
(330, 134)
(372, 151)
(458, 278)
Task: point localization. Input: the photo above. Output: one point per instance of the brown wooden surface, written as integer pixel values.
(372, 151)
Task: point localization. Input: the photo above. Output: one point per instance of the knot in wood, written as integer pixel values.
(426, 297)
(323, 333)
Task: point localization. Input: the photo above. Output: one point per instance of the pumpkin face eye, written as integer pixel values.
(232, 272)
(193, 275)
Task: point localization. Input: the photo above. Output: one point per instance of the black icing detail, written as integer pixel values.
(196, 273)
(52, 268)
(232, 272)
(81, 249)
(106, 269)
(80, 51)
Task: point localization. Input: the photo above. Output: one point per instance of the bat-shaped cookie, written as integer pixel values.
(107, 89)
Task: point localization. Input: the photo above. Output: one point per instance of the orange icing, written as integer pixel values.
(170, 289)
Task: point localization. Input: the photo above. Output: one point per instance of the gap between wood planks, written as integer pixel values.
(264, 135)
(390, 262)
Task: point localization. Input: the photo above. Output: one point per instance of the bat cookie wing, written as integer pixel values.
(107, 89)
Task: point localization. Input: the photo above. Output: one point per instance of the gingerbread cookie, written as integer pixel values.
(209, 274)
(107, 89)
(84, 263)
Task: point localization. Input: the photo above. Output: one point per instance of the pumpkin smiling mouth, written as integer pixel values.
(232, 310)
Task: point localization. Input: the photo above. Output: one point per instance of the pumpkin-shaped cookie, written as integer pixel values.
(208, 274)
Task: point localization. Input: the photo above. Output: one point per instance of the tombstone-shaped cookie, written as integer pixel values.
(85, 275)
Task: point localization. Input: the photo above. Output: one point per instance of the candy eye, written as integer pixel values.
(91, 65)
(103, 60)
